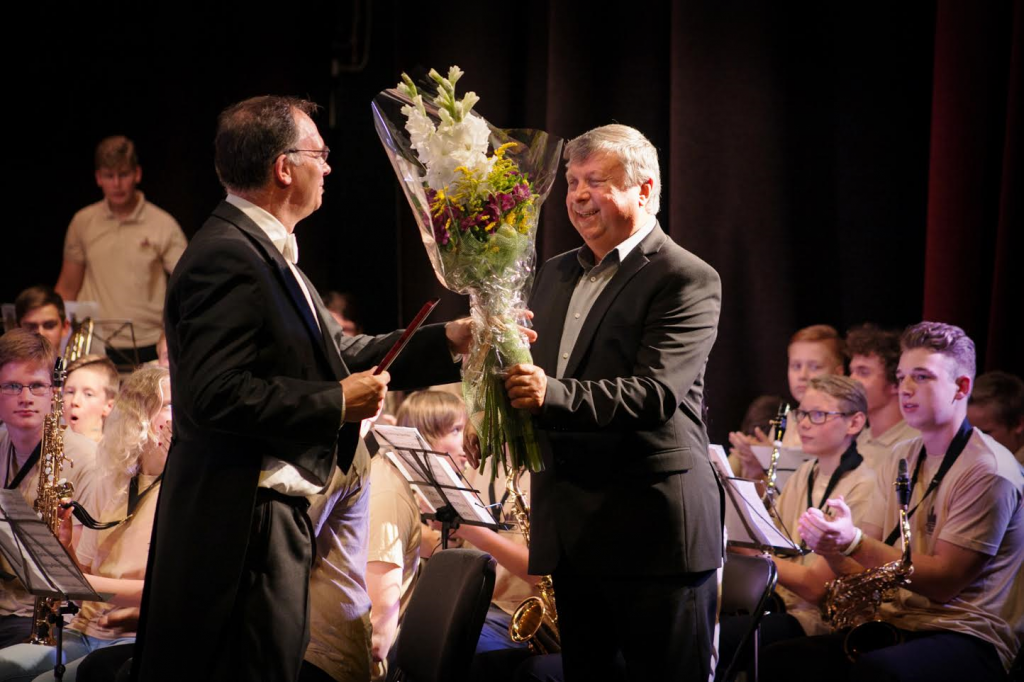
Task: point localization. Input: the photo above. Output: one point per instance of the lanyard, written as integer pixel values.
(25, 468)
(957, 446)
(848, 461)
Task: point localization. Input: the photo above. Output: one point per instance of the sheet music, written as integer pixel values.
(756, 525)
(720, 460)
(460, 494)
(406, 448)
(790, 460)
(35, 554)
(410, 470)
(401, 437)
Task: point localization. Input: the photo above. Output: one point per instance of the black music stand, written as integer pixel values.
(107, 330)
(747, 521)
(434, 476)
(41, 563)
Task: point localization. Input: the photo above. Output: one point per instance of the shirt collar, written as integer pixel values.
(283, 240)
(586, 256)
(899, 431)
(136, 214)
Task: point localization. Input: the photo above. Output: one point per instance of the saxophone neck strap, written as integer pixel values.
(848, 461)
(25, 468)
(956, 447)
(135, 497)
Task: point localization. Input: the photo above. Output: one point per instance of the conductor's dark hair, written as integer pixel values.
(251, 135)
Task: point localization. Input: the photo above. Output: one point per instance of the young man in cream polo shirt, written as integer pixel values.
(967, 534)
(874, 357)
(119, 251)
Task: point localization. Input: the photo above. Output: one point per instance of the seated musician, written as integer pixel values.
(26, 397)
(874, 356)
(341, 647)
(40, 310)
(89, 391)
(966, 519)
(831, 414)
(813, 351)
(758, 419)
(395, 527)
(130, 462)
(497, 655)
(996, 406)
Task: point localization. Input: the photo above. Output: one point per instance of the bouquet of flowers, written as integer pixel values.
(476, 192)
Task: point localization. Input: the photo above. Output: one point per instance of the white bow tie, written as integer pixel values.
(289, 248)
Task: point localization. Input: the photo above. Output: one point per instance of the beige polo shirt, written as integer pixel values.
(877, 450)
(979, 506)
(126, 265)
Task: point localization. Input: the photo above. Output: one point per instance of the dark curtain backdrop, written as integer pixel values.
(836, 164)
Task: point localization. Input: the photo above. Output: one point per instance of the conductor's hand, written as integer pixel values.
(460, 334)
(527, 386)
(364, 394)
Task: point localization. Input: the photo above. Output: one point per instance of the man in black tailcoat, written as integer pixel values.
(265, 407)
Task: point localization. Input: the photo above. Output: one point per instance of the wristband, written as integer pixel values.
(855, 544)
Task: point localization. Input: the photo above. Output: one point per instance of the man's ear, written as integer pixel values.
(963, 384)
(646, 188)
(282, 171)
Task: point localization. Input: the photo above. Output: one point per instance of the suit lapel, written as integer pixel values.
(326, 338)
(634, 262)
(233, 215)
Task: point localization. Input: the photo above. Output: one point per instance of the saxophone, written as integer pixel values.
(852, 601)
(778, 425)
(535, 620)
(49, 492)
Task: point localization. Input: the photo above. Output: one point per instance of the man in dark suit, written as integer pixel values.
(627, 515)
(265, 408)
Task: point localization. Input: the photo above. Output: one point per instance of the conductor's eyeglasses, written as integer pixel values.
(322, 153)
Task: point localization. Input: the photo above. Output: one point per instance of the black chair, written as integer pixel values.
(747, 585)
(444, 618)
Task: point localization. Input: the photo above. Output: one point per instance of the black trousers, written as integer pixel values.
(643, 628)
(270, 618)
(932, 656)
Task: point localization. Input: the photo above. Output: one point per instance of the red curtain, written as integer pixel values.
(973, 245)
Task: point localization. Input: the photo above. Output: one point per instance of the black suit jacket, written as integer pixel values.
(251, 375)
(628, 488)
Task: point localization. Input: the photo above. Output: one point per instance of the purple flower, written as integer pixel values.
(521, 192)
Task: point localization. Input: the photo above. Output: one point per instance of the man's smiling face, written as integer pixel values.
(602, 207)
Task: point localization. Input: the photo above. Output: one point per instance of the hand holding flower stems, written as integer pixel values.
(527, 387)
